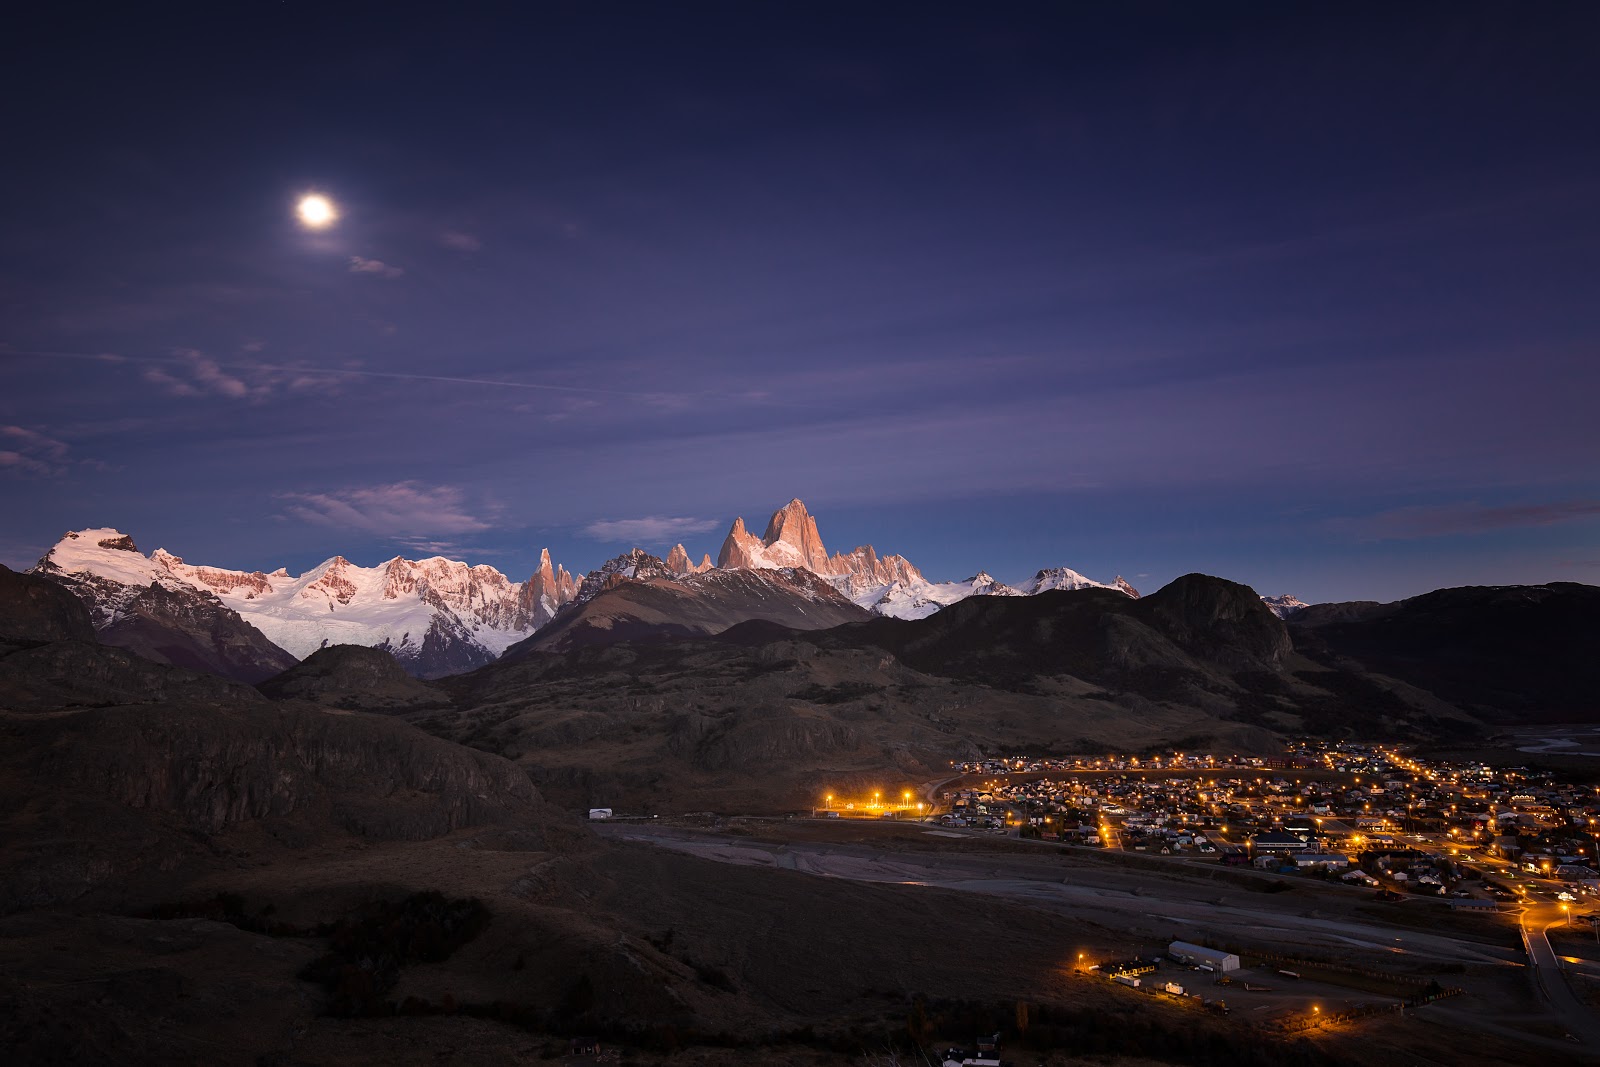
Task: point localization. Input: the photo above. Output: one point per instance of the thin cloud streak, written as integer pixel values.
(652, 529)
(658, 398)
(1452, 519)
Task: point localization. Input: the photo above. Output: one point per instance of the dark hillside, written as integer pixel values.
(1512, 653)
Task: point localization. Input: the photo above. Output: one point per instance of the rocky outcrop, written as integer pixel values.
(546, 592)
(637, 565)
(446, 647)
(1219, 621)
(678, 562)
(792, 534)
(248, 584)
(884, 585)
(639, 599)
(864, 564)
(197, 632)
(792, 540)
(741, 549)
(35, 610)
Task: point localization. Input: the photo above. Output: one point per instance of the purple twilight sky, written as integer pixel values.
(1301, 295)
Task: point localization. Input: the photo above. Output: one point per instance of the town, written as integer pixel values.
(1365, 814)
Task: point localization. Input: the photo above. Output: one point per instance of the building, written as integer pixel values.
(1327, 861)
(1575, 874)
(1276, 842)
(1200, 955)
(1473, 904)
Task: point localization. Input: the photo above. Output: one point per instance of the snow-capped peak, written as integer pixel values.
(1060, 578)
(105, 553)
(436, 614)
(1284, 604)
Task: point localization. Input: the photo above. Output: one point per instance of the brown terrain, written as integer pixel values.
(193, 871)
(761, 717)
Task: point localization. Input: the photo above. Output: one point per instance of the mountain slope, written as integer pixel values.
(636, 598)
(114, 766)
(435, 616)
(916, 598)
(139, 605)
(883, 585)
(764, 710)
(1513, 653)
(354, 677)
(1197, 625)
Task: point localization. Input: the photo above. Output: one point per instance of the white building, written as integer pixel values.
(1200, 955)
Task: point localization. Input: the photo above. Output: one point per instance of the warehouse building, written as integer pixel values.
(1201, 956)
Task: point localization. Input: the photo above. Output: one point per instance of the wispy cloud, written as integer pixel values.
(1443, 520)
(461, 242)
(406, 512)
(421, 545)
(361, 265)
(31, 452)
(652, 529)
(196, 374)
(191, 373)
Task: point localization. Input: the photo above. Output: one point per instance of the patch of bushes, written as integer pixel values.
(842, 693)
(367, 950)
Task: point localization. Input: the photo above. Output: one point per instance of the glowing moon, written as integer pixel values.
(316, 211)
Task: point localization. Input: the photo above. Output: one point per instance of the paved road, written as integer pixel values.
(1577, 1017)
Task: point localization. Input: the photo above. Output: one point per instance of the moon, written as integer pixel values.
(316, 211)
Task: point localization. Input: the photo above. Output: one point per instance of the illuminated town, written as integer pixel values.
(1369, 814)
(1505, 845)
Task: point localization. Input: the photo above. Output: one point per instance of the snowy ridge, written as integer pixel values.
(108, 570)
(436, 615)
(440, 616)
(1060, 578)
(919, 598)
(1284, 604)
(885, 585)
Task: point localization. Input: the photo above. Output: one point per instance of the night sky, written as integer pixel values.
(1307, 296)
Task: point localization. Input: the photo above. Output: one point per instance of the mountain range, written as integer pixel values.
(439, 616)
(193, 870)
